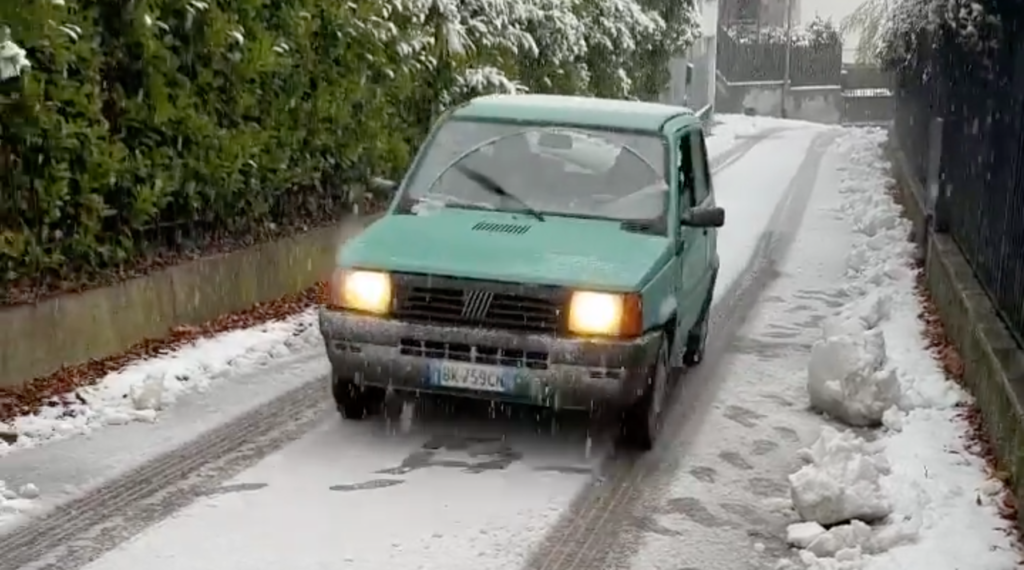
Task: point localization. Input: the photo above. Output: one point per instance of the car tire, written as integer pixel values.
(697, 338)
(354, 400)
(642, 421)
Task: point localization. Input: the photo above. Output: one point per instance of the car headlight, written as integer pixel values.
(359, 290)
(605, 314)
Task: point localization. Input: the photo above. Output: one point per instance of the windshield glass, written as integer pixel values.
(549, 169)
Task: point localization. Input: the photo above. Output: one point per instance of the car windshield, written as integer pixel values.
(556, 170)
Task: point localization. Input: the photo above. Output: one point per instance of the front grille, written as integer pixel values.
(457, 302)
(475, 353)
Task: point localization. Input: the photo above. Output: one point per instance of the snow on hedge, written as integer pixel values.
(892, 29)
(13, 60)
(564, 36)
(817, 32)
(559, 34)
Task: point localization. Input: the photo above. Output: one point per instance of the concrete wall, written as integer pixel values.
(993, 362)
(36, 340)
(703, 55)
(867, 94)
(821, 104)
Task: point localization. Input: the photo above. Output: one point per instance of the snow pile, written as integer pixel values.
(14, 502)
(850, 377)
(915, 497)
(841, 480)
(140, 390)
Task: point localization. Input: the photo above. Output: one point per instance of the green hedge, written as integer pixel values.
(145, 125)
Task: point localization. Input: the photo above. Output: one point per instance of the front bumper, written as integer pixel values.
(547, 370)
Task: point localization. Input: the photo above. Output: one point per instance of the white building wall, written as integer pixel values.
(702, 55)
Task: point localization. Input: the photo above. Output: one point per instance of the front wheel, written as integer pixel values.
(353, 400)
(642, 421)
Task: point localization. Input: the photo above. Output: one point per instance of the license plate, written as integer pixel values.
(472, 376)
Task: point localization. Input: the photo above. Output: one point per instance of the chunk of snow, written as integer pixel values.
(28, 491)
(846, 559)
(841, 481)
(848, 378)
(802, 534)
(861, 316)
(854, 535)
(15, 503)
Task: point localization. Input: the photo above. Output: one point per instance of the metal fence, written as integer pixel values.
(980, 141)
(742, 61)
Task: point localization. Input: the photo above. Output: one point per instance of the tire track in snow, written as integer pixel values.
(83, 529)
(596, 530)
(729, 156)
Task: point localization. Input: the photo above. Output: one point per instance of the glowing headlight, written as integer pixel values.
(596, 313)
(368, 291)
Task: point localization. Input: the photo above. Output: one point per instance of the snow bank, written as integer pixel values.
(849, 376)
(144, 388)
(916, 497)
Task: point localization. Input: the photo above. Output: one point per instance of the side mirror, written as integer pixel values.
(382, 185)
(712, 217)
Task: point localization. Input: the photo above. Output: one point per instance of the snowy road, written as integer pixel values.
(293, 486)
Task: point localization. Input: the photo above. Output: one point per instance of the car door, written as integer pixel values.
(691, 249)
(704, 196)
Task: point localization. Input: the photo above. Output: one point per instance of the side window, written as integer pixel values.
(701, 167)
(687, 175)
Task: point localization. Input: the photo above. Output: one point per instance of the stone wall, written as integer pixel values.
(820, 104)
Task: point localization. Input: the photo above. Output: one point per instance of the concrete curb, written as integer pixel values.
(102, 322)
(993, 362)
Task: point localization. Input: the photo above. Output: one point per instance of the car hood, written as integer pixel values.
(508, 247)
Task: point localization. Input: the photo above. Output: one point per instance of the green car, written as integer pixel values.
(542, 249)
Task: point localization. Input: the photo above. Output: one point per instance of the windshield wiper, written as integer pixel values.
(489, 184)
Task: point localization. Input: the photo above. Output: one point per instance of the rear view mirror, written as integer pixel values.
(555, 140)
(711, 217)
(382, 186)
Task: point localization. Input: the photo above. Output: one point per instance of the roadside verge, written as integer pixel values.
(993, 363)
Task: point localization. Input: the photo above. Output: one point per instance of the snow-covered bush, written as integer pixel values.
(894, 31)
(821, 32)
(12, 57)
(818, 32)
(238, 117)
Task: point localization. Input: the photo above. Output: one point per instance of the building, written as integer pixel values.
(693, 77)
(761, 13)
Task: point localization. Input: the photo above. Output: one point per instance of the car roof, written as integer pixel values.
(573, 110)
